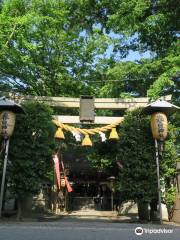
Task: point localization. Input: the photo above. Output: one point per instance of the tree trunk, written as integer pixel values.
(19, 209)
(143, 211)
(24, 207)
(153, 211)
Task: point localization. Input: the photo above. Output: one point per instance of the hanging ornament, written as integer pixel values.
(77, 136)
(57, 170)
(113, 134)
(87, 141)
(103, 136)
(59, 134)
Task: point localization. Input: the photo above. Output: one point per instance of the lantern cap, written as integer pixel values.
(6, 104)
(160, 106)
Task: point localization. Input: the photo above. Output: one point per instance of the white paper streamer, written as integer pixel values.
(103, 136)
(77, 136)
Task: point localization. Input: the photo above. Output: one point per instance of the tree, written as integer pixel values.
(167, 79)
(31, 148)
(147, 26)
(70, 47)
(168, 162)
(45, 50)
(147, 77)
(134, 155)
(103, 155)
(152, 25)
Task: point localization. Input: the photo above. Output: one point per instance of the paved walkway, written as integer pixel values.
(85, 229)
(83, 215)
(93, 215)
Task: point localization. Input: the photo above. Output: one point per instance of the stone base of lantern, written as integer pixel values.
(176, 213)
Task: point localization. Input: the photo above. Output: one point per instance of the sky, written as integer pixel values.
(135, 55)
(132, 55)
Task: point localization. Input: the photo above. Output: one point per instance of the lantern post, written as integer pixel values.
(8, 110)
(111, 185)
(159, 127)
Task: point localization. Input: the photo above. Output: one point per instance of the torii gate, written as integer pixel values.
(99, 103)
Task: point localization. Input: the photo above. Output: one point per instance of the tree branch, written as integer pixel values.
(11, 35)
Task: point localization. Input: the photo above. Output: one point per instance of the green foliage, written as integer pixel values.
(64, 47)
(31, 149)
(168, 166)
(175, 120)
(136, 154)
(132, 158)
(144, 25)
(170, 196)
(102, 155)
(169, 157)
(43, 49)
(153, 23)
(167, 80)
(152, 77)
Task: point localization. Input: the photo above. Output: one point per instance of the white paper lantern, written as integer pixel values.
(7, 123)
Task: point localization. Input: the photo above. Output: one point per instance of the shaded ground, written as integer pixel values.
(79, 216)
(92, 215)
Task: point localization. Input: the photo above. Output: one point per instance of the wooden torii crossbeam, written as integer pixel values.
(100, 103)
(98, 119)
